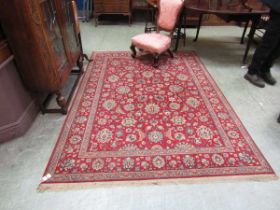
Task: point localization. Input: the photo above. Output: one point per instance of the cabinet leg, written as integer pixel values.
(129, 19)
(96, 20)
(61, 101)
(84, 56)
(80, 65)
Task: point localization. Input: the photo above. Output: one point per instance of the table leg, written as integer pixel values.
(179, 30)
(184, 34)
(255, 21)
(198, 27)
(244, 32)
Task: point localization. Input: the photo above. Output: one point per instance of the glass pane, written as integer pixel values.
(49, 15)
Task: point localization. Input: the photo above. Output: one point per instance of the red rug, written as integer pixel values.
(130, 121)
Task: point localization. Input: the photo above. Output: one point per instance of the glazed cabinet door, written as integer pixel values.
(49, 16)
(66, 22)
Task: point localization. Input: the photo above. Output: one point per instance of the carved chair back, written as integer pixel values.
(168, 13)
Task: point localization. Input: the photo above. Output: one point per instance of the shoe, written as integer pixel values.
(255, 80)
(268, 78)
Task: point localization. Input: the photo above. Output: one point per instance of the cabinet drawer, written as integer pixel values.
(111, 6)
(98, 7)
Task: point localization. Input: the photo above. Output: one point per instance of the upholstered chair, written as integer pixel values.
(158, 42)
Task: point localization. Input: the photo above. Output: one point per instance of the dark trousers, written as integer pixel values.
(268, 49)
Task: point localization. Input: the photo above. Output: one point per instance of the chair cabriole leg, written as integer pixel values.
(156, 60)
(132, 47)
(170, 53)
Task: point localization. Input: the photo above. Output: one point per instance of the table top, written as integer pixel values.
(152, 2)
(237, 7)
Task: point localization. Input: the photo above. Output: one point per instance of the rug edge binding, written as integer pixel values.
(59, 187)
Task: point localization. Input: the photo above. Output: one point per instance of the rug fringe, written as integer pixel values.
(57, 187)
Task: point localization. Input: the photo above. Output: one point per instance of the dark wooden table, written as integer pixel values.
(229, 10)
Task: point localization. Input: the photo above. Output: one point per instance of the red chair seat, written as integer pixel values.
(152, 42)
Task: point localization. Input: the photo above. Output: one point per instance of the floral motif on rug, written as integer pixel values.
(130, 121)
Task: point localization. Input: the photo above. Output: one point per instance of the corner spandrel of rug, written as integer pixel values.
(130, 121)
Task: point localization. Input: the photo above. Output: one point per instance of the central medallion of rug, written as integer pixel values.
(130, 121)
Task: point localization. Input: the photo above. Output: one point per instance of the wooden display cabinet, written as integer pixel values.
(102, 7)
(46, 48)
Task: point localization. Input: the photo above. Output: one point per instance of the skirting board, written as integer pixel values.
(19, 127)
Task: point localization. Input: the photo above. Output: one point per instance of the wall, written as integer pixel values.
(17, 107)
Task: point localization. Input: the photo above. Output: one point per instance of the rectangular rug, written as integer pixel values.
(132, 122)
